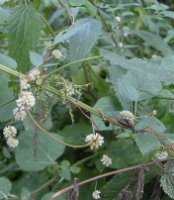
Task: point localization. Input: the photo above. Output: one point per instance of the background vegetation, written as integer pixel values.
(110, 56)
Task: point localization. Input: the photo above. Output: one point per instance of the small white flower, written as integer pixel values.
(120, 44)
(125, 34)
(117, 19)
(106, 160)
(24, 84)
(128, 115)
(154, 112)
(12, 142)
(161, 155)
(19, 114)
(9, 131)
(26, 101)
(56, 53)
(34, 74)
(96, 194)
(95, 140)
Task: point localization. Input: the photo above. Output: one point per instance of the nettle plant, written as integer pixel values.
(86, 99)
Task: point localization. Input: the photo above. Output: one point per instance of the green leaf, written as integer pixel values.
(125, 153)
(84, 39)
(24, 30)
(114, 186)
(7, 61)
(108, 106)
(167, 179)
(71, 133)
(4, 15)
(89, 6)
(36, 59)
(5, 187)
(147, 142)
(150, 122)
(47, 151)
(155, 41)
(6, 98)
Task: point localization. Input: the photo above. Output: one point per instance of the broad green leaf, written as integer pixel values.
(147, 142)
(7, 61)
(114, 186)
(89, 6)
(46, 152)
(167, 179)
(6, 98)
(5, 187)
(4, 15)
(84, 39)
(71, 133)
(155, 41)
(125, 153)
(36, 59)
(108, 106)
(24, 30)
(151, 122)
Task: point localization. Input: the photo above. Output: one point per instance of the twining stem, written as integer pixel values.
(48, 26)
(69, 64)
(54, 137)
(60, 192)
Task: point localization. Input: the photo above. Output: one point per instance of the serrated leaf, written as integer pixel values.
(108, 106)
(7, 61)
(89, 6)
(167, 179)
(147, 142)
(47, 151)
(114, 186)
(5, 187)
(155, 41)
(6, 98)
(150, 122)
(36, 59)
(4, 15)
(24, 30)
(84, 39)
(125, 153)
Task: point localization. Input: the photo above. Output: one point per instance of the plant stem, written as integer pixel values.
(54, 137)
(48, 26)
(10, 71)
(69, 64)
(105, 175)
(48, 183)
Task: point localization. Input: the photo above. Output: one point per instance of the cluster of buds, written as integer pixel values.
(10, 133)
(57, 54)
(95, 140)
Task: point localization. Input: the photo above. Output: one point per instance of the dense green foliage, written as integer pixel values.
(95, 59)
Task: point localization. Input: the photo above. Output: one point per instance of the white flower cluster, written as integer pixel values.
(95, 140)
(35, 75)
(10, 133)
(106, 160)
(57, 54)
(96, 194)
(161, 155)
(128, 116)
